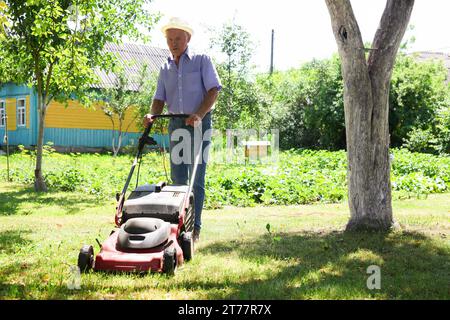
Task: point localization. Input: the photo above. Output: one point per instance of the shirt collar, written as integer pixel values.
(186, 52)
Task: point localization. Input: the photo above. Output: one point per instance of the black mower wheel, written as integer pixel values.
(187, 245)
(86, 258)
(169, 261)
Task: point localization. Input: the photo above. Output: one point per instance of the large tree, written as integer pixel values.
(233, 42)
(55, 46)
(130, 95)
(366, 94)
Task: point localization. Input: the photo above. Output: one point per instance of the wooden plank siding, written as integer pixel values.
(78, 126)
(77, 116)
(73, 137)
(11, 113)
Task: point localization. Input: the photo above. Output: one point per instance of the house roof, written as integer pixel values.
(429, 55)
(132, 57)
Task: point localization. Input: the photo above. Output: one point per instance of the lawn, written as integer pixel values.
(280, 252)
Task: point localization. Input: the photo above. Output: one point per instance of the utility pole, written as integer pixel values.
(271, 53)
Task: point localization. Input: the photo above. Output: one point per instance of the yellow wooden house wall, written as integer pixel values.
(11, 113)
(78, 117)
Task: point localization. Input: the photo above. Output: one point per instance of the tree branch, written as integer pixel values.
(358, 102)
(346, 31)
(389, 35)
(47, 84)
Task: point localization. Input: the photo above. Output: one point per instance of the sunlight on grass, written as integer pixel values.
(365, 256)
(284, 252)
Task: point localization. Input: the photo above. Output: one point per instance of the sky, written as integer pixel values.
(302, 27)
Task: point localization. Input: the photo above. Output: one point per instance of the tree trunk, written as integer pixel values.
(39, 183)
(119, 137)
(366, 92)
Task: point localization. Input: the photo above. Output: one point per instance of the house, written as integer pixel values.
(75, 127)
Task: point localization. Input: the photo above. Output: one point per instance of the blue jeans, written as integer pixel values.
(180, 173)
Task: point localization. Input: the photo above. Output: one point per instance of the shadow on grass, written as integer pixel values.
(306, 265)
(71, 203)
(10, 290)
(9, 240)
(334, 266)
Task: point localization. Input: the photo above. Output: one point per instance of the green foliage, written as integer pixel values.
(241, 103)
(67, 180)
(418, 100)
(307, 105)
(144, 97)
(127, 93)
(243, 106)
(56, 45)
(3, 19)
(300, 176)
(233, 41)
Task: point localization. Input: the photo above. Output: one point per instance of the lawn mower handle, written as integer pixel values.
(156, 116)
(143, 140)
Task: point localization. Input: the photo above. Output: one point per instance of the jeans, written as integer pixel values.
(181, 164)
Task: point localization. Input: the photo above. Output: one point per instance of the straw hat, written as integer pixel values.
(178, 23)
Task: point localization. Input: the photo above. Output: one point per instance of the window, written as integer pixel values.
(2, 113)
(21, 121)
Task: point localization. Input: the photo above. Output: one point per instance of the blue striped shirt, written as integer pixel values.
(183, 88)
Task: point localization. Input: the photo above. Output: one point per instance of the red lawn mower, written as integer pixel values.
(154, 225)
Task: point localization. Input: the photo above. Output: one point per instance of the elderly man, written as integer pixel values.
(189, 84)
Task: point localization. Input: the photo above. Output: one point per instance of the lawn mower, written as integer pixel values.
(153, 225)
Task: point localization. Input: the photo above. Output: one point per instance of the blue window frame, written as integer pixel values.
(2, 113)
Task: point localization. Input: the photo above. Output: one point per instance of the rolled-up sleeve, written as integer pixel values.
(209, 74)
(160, 93)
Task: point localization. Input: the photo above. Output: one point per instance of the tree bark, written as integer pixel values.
(366, 92)
(39, 182)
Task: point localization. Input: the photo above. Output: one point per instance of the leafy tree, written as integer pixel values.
(117, 101)
(307, 105)
(417, 96)
(443, 127)
(144, 96)
(249, 105)
(233, 41)
(3, 19)
(55, 45)
(128, 95)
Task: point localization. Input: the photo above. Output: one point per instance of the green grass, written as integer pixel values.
(306, 254)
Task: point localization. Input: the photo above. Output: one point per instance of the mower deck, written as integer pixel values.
(113, 258)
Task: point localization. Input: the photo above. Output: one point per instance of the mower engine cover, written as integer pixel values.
(165, 205)
(143, 233)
